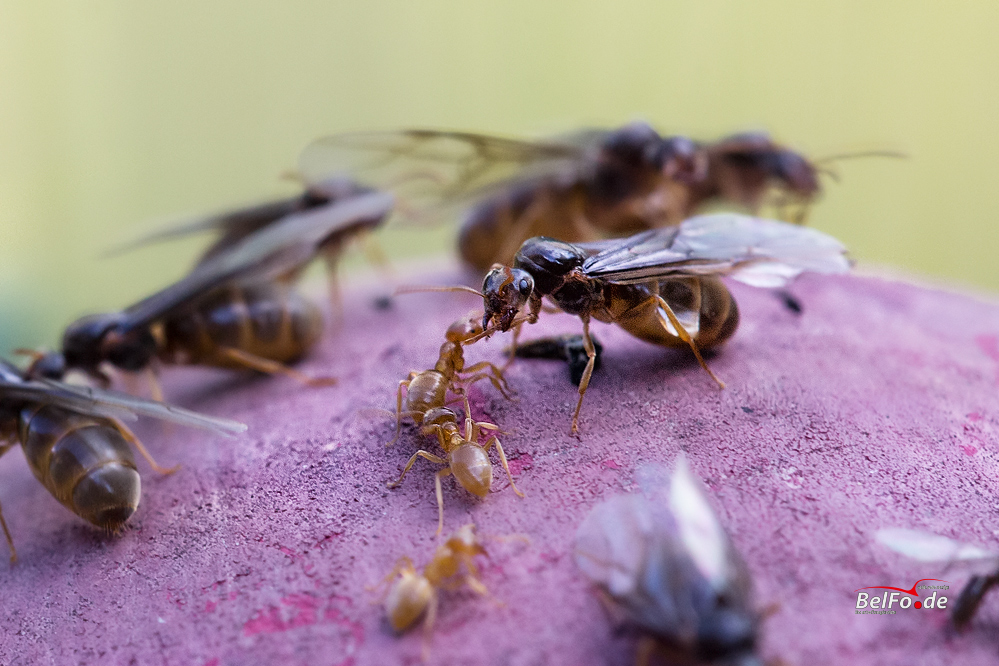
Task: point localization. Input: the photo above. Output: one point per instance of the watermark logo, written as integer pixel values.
(870, 603)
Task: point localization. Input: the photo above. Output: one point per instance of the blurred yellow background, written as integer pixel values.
(114, 114)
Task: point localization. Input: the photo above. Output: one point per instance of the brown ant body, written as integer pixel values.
(662, 286)
(414, 593)
(236, 309)
(77, 446)
(578, 187)
(426, 396)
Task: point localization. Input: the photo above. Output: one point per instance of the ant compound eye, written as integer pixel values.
(525, 287)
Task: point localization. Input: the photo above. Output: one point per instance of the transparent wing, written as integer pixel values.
(275, 250)
(233, 224)
(700, 531)
(112, 404)
(437, 168)
(759, 252)
(926, 547)
(56, 394)
(244, 220)
(664, 559)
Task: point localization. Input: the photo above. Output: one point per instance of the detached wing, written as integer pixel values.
(759, 252)
(926, 547)
(436, 168)
(275, 250)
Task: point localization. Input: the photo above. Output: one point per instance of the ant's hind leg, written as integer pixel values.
(440, 498)
(584, 381)
(131, 438)
(267, 366)
(428, 626)
(506, 467)
(419, 454)
(683, 335)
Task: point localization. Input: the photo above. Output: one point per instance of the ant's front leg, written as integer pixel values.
(584, 382)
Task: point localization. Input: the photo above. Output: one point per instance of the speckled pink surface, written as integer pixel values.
(878, 407)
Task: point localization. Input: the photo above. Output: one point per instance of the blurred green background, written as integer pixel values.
(114, 114)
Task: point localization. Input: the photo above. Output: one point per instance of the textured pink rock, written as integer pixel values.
(878, 407)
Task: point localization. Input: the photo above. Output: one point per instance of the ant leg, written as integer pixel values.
(10, 540)
(494, 375)
(646, 648)
(4, 448)
(502, 456)
(401, 565)
(513, 345)
(375, 255)
(155, 388)
(440, 498)
(428, 626)
(419, 454)
(584, 381)
(683, 335)
(398, 409)
(331, 257)
(132, 439)
(267, 366)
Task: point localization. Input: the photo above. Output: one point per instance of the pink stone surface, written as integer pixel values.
(879, 407)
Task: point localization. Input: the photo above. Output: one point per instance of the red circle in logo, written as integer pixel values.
(918, 604)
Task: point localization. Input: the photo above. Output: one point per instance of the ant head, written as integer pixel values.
(634, 144)
(470, 465)
(465, 541)
(794, 171)
(407, 599)
(505, 290)
(463, 329)
(728, 632)
(51, 365)
(679, 159)
(91, 340)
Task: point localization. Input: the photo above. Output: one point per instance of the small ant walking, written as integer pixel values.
(414, 594)
(426, 394)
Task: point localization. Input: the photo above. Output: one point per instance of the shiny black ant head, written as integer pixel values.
(634, 144)
(51, 365)
(91, 340)
(505, 290)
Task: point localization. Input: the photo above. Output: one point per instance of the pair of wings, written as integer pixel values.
(660, 557)
(272, 251)
(435, 168)
(756, 251)
(101, 403)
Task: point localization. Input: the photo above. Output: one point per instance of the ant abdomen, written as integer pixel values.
(84, 462)
(265, 319)
(470, 465)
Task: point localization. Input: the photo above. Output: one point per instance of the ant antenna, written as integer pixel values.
(413, 289)
(893, 154)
